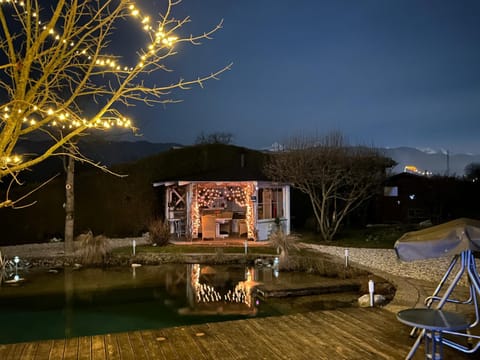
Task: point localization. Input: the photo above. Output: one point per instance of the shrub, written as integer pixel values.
(159, 232)
(284, 243)
(93, 249)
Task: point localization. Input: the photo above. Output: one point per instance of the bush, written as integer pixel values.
(284, 243)
(93, 249)
(159, 232)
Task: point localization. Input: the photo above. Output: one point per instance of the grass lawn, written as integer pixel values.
(380, 237)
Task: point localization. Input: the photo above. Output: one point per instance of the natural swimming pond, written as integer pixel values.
(89, 301)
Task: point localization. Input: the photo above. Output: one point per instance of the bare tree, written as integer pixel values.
(214, 138)
(57, 59)
(336, 177)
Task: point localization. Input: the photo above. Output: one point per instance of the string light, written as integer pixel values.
(7, 161)
(36, 114)
(205, 196)
(81, 53)
(162, 38)
(59, 117)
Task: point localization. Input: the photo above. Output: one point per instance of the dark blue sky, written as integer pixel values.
(385, 73)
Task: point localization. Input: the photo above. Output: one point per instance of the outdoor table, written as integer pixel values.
(433, 322)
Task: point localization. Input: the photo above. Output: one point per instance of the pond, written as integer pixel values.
(67, 303)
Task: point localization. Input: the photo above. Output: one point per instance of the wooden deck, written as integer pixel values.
(350, 333)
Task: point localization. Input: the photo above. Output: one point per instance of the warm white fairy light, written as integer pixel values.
(33, 117)
(59, 117)
(208, 195)
(8, 161)
(249, 214)
(162, 38)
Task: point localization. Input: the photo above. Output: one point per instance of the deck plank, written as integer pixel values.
(151, 344)
(98, 348)
(181, 344)
(347, 333)
(189, 340)
(16, 351)
(71, 349)
(138, 346)
(212, 343)
(43, 349)
(85, 348)
(28, 351)
(312, 345)
(237, 340)
(125, 347)
(111, 347)
(279, 342)
(57, 350)
(163, 342)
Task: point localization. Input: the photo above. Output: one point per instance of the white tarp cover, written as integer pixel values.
(447, 239)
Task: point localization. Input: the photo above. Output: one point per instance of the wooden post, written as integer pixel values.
(69, 206)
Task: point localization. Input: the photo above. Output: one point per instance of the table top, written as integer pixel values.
(223, 220)
(433, 319)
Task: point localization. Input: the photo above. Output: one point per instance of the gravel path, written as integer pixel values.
(52, 249)
(386, 260)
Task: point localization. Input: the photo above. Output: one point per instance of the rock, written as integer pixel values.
(364, 300)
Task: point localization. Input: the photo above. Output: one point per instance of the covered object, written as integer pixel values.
(458, 239)
(447, 239)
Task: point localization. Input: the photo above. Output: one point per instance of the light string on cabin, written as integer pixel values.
(207, 196)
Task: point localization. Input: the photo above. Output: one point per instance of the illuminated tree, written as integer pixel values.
(61, 78)
(336, 177)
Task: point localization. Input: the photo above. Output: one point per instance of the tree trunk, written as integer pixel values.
(69, 207)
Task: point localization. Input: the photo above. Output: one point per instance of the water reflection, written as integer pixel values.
(210, 292)
(78, 302)
(89, 301)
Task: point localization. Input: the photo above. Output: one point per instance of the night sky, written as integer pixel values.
(385, 73)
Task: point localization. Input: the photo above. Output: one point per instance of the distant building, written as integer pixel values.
(413, 198)
(412, 169)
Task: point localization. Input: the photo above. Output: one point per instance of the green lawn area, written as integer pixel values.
(382, 237)
(368, 237)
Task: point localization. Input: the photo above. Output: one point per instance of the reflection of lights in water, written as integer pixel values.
(16, 260)
(205, 293)
(134, 266)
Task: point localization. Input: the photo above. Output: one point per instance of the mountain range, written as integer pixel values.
(434, 162)
(117, 152)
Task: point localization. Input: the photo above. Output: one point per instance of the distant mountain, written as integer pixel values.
(118, 152)
(436, 162)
